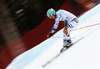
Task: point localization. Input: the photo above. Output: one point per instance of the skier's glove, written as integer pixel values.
(49, 35)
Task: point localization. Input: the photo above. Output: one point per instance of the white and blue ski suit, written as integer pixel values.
(67, 17)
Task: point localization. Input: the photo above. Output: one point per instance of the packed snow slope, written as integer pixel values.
(83, 55)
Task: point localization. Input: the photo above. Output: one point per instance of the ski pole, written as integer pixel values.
(56, 37)
(86, 26)
(61, 37)
(79, 29)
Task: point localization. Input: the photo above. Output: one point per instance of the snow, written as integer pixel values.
(82, 55)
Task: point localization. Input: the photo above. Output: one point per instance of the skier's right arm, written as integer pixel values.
(53, 29)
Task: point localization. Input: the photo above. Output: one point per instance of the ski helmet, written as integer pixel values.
(51, 12)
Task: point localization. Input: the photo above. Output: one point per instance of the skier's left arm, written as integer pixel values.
(53, 29)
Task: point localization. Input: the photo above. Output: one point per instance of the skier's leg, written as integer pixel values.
(66, 42)
(66, 35)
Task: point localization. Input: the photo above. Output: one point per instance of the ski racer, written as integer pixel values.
(70, 22)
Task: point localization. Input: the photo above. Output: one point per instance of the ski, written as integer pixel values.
(48, 62)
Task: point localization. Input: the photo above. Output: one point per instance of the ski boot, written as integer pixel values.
(64, 48)
(69, 43)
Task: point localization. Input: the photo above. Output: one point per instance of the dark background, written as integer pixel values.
(28, 14)
(22, 16)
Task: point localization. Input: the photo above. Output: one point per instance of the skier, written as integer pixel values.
(70, 22)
